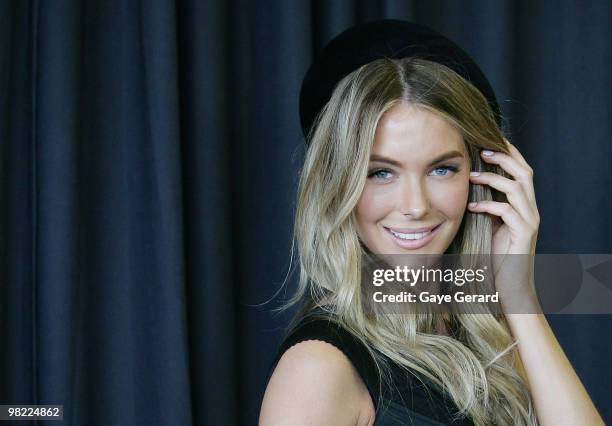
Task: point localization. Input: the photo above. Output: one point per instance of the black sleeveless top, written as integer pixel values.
(409, 401)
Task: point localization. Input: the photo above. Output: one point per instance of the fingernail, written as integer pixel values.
(474, 173)
(487, 153)
(472, 204)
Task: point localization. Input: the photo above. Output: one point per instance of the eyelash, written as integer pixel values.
(453, 169)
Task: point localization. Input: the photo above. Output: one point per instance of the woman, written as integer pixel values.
(406, 156)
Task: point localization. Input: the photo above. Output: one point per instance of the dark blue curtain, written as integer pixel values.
(148, 162)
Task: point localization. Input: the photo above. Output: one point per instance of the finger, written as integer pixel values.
(516, 154)
(529, 187)
(514, 192)
(513, 167)
(503, 210)
(514, 151)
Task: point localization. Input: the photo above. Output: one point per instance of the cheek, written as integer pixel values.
(373, 205)
(452, 199)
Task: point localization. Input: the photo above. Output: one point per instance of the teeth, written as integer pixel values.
(416, 236)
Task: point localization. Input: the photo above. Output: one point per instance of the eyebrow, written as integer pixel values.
(440, 158)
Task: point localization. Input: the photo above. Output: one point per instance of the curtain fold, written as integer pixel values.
(149, 157)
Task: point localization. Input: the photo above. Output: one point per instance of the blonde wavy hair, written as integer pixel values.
(478, 366)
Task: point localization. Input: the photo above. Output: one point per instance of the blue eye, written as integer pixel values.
(383, 174)
(445, 169)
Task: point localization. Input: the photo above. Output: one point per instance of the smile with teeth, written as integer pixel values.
(416, 236)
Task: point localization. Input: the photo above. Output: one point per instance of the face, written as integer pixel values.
(417, 188)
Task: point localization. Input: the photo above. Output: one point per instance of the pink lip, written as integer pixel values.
(413, 244)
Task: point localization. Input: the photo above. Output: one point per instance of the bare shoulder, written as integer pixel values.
(315, 383)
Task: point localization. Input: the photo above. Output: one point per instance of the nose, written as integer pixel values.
(413, 199)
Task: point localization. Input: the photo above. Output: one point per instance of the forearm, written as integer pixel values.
(558, 394)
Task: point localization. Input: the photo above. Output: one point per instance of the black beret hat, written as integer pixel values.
(373, 40)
